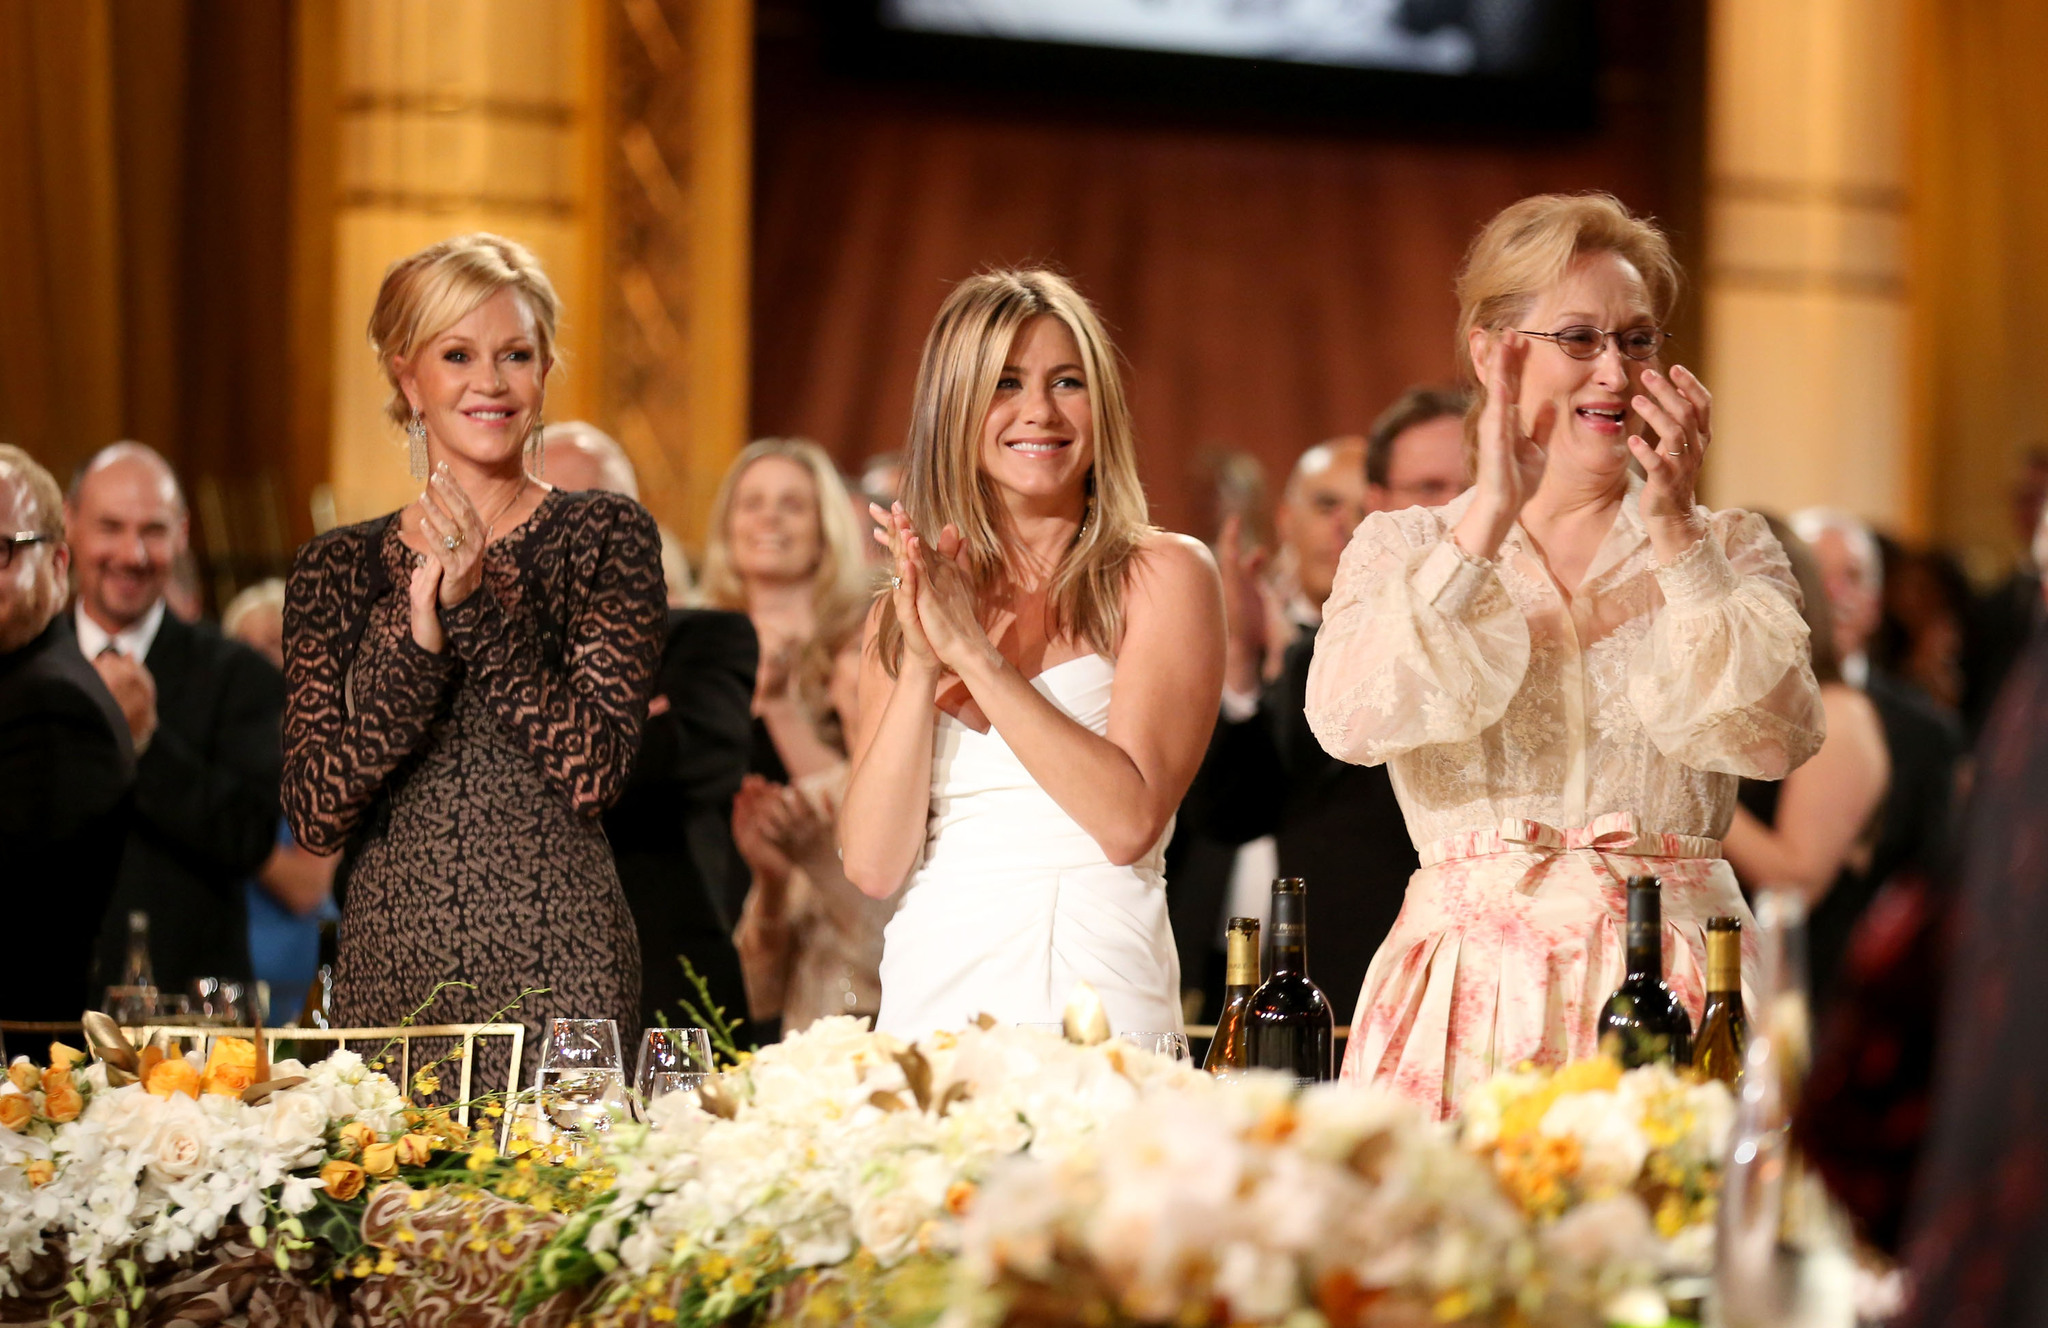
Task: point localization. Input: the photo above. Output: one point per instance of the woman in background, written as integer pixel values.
(1814, 830)
(468, 676)
(785, 548)
(1037, 689)
(1568, 667)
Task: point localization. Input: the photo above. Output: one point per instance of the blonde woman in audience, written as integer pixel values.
(785, 549)
(1568, 667)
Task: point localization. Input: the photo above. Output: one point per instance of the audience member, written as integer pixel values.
(671, 830)
(1815, 831)
(1977, 1242)
(1336, 824)
(202, 711)
(2003, 618)
(66, 761)
(784, 548)
(1923, 741)
(292, 894)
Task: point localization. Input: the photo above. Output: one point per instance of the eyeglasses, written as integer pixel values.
(20, 537)
(1586, 343)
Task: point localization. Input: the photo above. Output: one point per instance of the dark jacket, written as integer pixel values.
(206, 806)
(671, 830)
(1338, 826)
(66, 767)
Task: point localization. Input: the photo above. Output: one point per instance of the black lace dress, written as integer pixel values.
(467, 785)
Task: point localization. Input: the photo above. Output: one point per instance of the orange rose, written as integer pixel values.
(16, 1109)
(63, 1105)
(227, 1051)
(228, 1080)
(173, 1075)
(414, 1150)
(24, 1075)
(41, 1171)
(356, 1136)
(381, 1160)
(344, 1179)
(56, 1079)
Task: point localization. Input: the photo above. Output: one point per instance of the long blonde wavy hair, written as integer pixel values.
(943, 480)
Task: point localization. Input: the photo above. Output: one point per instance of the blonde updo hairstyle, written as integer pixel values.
(429, 292)
(942, 477)
(1528, 247)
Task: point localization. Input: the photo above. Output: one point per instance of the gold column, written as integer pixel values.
(1807, 329)
(454, 116)
(680, 209)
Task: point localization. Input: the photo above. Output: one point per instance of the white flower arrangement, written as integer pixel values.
(153, 1175)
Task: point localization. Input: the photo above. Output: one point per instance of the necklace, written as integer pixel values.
(491, 526)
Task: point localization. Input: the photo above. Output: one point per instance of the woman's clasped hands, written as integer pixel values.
(934, 605)
(454, 535)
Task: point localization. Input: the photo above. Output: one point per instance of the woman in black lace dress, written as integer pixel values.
(468, 676)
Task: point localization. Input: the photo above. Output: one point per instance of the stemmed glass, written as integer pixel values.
(1173, 1046)
(672, 1060)
(582, 1076)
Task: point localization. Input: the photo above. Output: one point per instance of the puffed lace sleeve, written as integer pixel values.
(1724, 680)
(1420, 643)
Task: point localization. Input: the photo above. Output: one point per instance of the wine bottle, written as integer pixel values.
(1287, 1020)
(1642, 1021)
(1240, 979)
(1724, 1032)
(137, 972)
(318, 1011)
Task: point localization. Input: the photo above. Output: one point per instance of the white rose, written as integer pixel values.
(128, 1116)
(1612, 1148)
(181, 1150)
(887, 1224)
(297, 1122)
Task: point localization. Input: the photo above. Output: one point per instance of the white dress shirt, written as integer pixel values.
(133, 640)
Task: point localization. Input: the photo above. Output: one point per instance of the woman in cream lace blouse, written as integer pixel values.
(1568, 667)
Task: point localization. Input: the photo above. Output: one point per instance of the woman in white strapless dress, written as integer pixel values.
(1037, 688)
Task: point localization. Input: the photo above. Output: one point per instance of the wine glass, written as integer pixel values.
(672, 1060)
(1173, 1046)
(131, 1005)
(582, 1076)
(220, 1001)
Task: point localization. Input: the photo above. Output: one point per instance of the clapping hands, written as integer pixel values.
(934, 603)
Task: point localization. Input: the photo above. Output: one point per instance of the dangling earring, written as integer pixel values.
(416, 432)
(537, 448)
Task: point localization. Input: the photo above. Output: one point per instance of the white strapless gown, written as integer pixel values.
(1014, 903)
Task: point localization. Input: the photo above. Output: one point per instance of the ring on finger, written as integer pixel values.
(449, 542)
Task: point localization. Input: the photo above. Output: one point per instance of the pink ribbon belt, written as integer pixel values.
(1616, 832)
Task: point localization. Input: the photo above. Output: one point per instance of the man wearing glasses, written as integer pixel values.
(65, 761)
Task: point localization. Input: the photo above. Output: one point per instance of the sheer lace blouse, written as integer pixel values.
(1652, 690)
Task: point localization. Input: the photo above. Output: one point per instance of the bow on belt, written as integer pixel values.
(1615, 832)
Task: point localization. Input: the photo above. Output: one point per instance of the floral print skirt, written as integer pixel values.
(1506, 956)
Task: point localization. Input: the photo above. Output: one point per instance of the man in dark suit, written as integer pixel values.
(1923, 740)
(65, 762)
(203, 712)
(671, 830)
(1336, 825)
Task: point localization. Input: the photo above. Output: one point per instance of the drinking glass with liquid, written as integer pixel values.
(672, 1060)
(582, 1081)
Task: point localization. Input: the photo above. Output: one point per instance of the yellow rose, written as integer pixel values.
(381, 1160)
(16, 1109)
(232, 1051)
(228, 1080)
(414, 1150)
(56, 1079)
(24, 1075)
(356, 1136)
(41, 1171)
(66, 1057)
(173, 1075)
(63, 1105)
(344, 1179)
